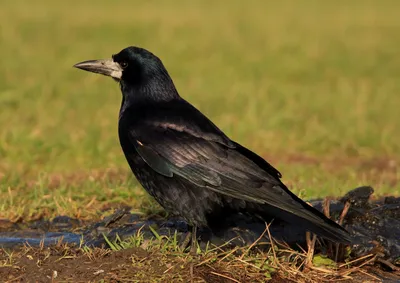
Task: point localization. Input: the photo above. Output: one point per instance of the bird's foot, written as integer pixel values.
(193, 248)
(191, 237)
(186, 241)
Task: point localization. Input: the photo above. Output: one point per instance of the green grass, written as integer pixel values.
(311, 86)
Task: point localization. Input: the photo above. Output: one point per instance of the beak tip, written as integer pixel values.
(77, 65)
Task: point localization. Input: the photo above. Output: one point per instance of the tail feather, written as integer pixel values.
(310, 219)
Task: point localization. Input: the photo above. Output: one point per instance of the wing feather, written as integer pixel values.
(207, 164)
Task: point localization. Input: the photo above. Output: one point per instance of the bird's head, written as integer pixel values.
(132, 64)
(140, 73)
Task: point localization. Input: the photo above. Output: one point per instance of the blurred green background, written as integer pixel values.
(312, 86)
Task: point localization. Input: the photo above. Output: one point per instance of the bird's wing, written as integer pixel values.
(177, 140)
(224, 167)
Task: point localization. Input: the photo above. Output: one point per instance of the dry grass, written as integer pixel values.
(137, 260)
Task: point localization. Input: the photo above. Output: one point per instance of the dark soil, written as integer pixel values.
(61, 264)
(48, 250)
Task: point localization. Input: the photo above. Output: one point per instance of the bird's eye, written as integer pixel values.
(124, 64)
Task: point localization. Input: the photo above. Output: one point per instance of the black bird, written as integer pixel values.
(187, 163)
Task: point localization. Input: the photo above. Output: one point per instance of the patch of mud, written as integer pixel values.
(374, 225)
(69, 265)
(377, 169)
(63, 264)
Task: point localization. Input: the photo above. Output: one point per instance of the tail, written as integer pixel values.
(308, 218)
(290, 208)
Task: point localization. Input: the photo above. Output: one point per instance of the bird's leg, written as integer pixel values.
(186, 241)
(193, 246)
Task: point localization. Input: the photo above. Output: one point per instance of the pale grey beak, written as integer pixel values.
(105, 67)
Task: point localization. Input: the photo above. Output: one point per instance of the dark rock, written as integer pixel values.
(358, 197)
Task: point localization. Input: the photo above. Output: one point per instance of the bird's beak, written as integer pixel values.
(105, 67)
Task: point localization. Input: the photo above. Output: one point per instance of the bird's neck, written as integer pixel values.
(152, 91)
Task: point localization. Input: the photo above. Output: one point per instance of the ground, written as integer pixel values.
(61, 264)
(310, 86)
